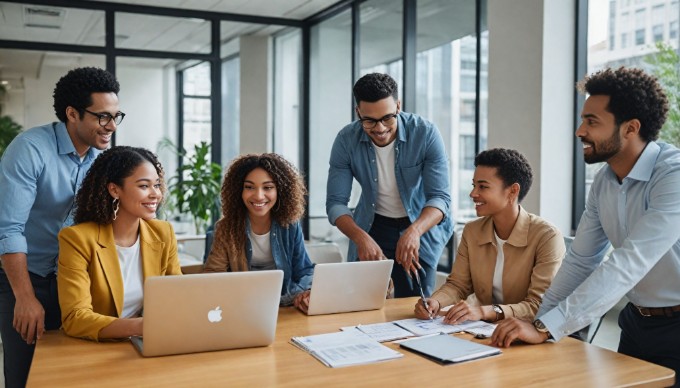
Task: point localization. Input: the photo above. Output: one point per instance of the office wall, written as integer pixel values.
(531, 67)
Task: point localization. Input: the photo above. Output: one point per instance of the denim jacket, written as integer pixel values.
(422, 175)
(290, 255)
(288, 250)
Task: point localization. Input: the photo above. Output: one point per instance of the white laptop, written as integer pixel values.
(205, 312)
(354, 286)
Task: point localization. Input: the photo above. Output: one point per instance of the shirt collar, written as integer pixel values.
(643, 168)
(65, 144)
(518, 237)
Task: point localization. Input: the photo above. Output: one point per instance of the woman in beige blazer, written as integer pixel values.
(507, 282)
(114, 245)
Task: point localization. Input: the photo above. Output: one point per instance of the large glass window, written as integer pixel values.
(195, 102)
(287, 83)
(654, 16)
(330, 109)
(231, 69)
(380, 35)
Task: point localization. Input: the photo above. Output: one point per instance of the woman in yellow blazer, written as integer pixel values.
(510, 281)
(114, 245)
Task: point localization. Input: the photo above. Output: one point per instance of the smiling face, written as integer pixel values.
(259, 193)
(381, 135)
(598, 131)
(140, 194)
(489, 192)
(86, 132)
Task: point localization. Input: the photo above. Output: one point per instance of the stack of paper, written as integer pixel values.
(345, 348)
(433, 326)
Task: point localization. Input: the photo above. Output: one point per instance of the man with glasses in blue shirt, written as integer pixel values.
(40, 173)
(400, 162)
(633, 205)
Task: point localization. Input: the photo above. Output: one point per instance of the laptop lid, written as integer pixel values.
(205, 312)
(353, 286)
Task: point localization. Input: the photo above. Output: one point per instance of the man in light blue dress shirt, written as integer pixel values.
(634, 205)
(40, 173)
(400, 162)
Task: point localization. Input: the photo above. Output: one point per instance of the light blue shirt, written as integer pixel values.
(640, 217)
(421, 171)
(40, 173)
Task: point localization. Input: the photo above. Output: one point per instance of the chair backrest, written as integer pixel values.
(209, 237)
(324, 252)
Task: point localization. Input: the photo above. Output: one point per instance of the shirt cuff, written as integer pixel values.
(335, 211)
(555, 321)
(440, 204)
(13, 244)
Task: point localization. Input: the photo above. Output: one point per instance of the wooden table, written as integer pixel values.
(63, 361)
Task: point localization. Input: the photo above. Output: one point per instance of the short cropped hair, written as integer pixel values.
(76, 87)
(633, 94)
(375, 87)
(511, 166)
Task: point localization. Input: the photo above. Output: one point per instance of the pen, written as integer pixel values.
(422, 294)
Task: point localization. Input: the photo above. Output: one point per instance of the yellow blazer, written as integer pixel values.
(532, 255)
(89, 278)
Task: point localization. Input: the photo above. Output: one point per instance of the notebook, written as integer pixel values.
(206, 312)
(354, 286)
(447, 349)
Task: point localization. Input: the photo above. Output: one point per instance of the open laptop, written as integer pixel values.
(354, 286)
(205, 312)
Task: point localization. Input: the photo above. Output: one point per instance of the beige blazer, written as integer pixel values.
(89, 278)
(533, 254)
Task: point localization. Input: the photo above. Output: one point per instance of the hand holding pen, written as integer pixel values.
(416, 277)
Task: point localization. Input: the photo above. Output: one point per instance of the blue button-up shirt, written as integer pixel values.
(421, 170)
(640, 217)
(40, 173)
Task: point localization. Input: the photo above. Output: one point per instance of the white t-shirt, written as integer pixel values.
(133, 279)
(388, 203)
(262, 258)
(498, 272)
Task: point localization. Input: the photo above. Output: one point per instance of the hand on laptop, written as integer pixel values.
(301, 301)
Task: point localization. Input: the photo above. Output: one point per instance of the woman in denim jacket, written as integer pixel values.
(262, 203)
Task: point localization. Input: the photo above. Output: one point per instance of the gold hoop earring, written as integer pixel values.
(116, 205)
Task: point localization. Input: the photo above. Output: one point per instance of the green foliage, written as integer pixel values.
(196, 187)
(666, 67)
(8, 131)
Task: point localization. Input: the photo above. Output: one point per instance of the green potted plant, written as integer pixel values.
(195, 190)
(9, 129)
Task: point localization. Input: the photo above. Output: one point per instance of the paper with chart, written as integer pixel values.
(482, 329)
(382, 332)
(345, 348)
(432, 326)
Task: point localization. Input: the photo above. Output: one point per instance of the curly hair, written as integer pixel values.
(633, 94)
(374, 87)
(76, 87)
(511, 166)
(290, 190)
(93, 201)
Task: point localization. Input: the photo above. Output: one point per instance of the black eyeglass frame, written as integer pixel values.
(118, 118)
(375, 122)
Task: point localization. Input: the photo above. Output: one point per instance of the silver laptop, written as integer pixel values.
(354, 286)
(205, 312)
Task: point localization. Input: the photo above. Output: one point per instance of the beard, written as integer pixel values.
(602, 151)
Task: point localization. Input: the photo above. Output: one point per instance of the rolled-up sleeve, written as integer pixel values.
(436, 174)
(339, 184)
(20, 166)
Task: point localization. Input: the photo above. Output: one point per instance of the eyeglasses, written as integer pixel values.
(105, 118)
(387, 121)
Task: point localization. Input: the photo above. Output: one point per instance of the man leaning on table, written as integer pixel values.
(40, 172)
(400, 162)
(634, 205)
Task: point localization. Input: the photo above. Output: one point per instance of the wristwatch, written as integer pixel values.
(540, 327)
(499, 312)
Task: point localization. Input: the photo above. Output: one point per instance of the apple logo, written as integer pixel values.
(215, 315)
